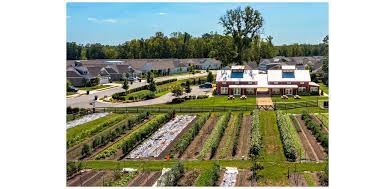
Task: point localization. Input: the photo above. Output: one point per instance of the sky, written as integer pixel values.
(115, 23)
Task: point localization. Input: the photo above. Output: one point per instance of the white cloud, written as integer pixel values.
(95, 20)
(163, 13)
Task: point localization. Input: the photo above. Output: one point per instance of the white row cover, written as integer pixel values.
(229, 177)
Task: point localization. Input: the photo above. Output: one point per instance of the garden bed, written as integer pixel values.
(309, 150)
(145, 179)
(188, 178)
(88, 178)
(85, 119)
(244, 138)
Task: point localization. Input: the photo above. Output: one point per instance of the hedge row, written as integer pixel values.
(188, 137)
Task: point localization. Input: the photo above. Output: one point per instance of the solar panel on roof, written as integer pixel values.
(288, 75)
(236, 75)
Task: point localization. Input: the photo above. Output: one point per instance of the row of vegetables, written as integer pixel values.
(171, 177)
(316, 130)
(136, 136)
(211, 144)
(238, 131)
(230, 133)
(189, 135)
(256, 138)
(292, 146)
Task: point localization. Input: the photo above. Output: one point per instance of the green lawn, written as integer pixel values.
(70, 93)
(323, 87)
(214, 101)
(272, 145)
(308, 109)
(93, 87)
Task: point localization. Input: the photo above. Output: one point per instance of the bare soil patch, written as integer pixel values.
(264, 100)
(297, 179)
(195, 147)
(244, 138)
(243, 178)
(145, 179)
(87, 178)
(188, 178)
(319, 151)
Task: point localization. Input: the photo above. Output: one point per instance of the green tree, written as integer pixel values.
(85, 150)
(325, 60)
(187, 87)
(210, 77)
(125, 85)
(152, 86)
(177, 90)
(242, 25)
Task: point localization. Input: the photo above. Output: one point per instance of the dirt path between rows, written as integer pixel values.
(244, 138)
(318, 149)
(297, 179)
(188, 178)
(145, 179)
(310, 153)
(243, 178)
(195, 147)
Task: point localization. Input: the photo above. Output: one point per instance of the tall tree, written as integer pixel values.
(242, 25)
(325, 61)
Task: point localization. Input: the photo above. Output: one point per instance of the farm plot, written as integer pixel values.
(88, 178)
(229, 177)
(129, 142)
(85, 119)
(309, 150)
(188, 178)
(297, 179)
(77, 134)
(244, 178)
(195, 146)
(211, 144)
(317, 148)
(226, 144)
(145, 179)
(161, 138)
(243, 146)
(291, 143)
(321, 120)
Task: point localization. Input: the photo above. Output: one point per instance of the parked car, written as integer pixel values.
(72, 89)
(206, 85)
(132, 78)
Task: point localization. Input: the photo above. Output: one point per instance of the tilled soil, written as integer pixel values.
(195, 147)
(145, 179)
(244, 138)
(243, 178)
(309, 150)
(188, 178)
(318, 149)
(297, 179)
(88, 178)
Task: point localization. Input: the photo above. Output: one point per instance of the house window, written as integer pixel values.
(289, 83)
(275, 91)
(224, 82)
(276, 83)
(224, 90)
(301, 89)
(302, 83)
(237, 82)
(250, 82)
(313, 89)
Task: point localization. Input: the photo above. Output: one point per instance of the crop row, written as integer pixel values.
(110, 136)
(323, 118)
(188, 137)
(227, 149)
(256, 138)
(212, 142)
(136, 136)
(291, 143)
(79, 133)
(316, 130)
(238, 131)
(171, 177)
(209, 176)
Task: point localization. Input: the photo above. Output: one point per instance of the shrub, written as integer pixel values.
(177, 100)
(202, 96)
(171, 177)
(73, 168)
(209, 176)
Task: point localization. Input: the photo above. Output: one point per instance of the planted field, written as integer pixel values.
(256, 137)
(88, 178)
(193, 150)
(186, 138)
(209, 176)
(215, 101)
(210, 146)
(188, 178)
(244, 138)
(318, 149)
(127, 143)
(309, 150)
(157, 143)
(323, 117)
(291, 143)
(226, 145)
(79, 133)
(145, 179)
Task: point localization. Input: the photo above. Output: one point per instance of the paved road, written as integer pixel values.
(85, 100)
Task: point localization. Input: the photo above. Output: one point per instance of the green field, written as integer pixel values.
(303, 98)
(214, 101)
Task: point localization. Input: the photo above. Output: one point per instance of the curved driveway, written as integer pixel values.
(84, 101)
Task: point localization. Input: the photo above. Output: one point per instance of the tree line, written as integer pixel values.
(240, 42)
